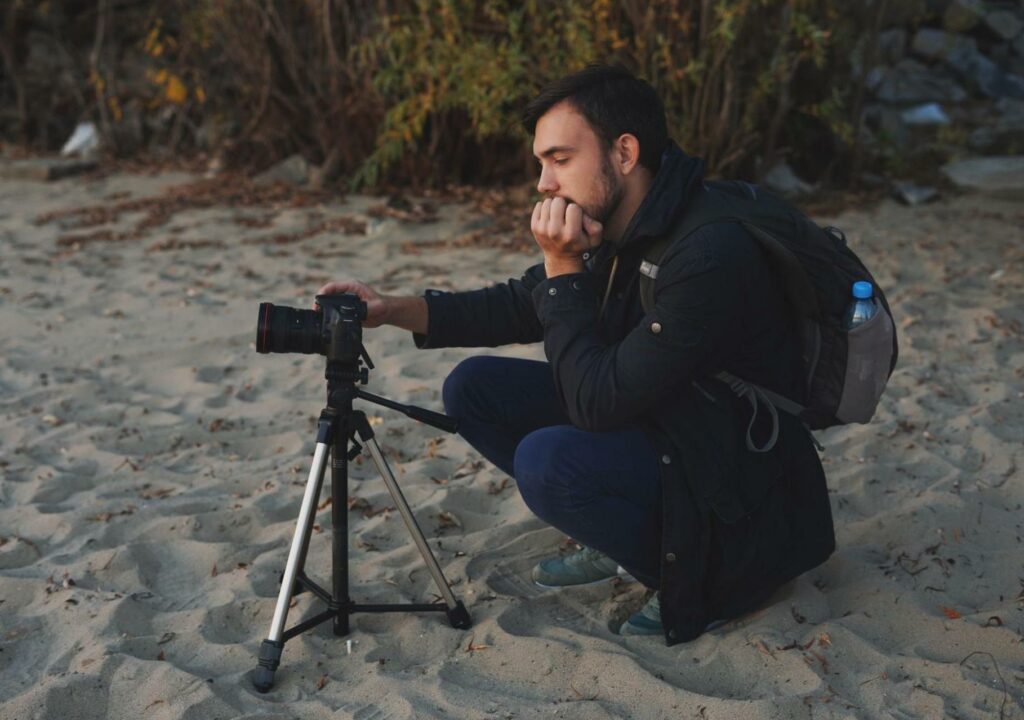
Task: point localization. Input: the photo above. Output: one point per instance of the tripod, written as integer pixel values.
(338, 427)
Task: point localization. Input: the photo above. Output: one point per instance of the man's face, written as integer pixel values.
(574, 163)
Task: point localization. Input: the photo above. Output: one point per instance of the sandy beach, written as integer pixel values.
(152, 465)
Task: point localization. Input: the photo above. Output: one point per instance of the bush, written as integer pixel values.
(421, 92)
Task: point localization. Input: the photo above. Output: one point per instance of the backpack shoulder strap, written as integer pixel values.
(707, 208)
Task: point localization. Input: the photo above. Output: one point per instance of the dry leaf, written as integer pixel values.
(950, 613)
(494, 489)
(321, 682)
(448, 520)
(824, 639)
(471, 647)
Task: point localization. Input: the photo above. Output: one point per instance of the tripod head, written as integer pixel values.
(335, 330)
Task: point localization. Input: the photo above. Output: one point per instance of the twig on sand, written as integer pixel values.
(1002, 705)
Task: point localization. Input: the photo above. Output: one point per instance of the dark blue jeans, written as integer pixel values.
(602, 489)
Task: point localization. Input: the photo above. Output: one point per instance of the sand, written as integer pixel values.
(152, 466)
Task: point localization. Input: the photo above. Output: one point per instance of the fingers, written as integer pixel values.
(593, 230)
(573, 220)
(345, 286)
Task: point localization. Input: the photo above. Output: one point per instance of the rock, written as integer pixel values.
(783, 180)
(84, 141)
(1010, 107)
(998, 176)
(910, 194)
(928, 114)
(1005, 57)
(294, 170)
(45, 169)
(962, 15)
(983, 75)
(911, 82)
(1005, 137)
(1004, 23)
(937, 44)
(888, 123)
(892, 45)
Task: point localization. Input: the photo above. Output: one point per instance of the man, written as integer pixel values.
(623, 439)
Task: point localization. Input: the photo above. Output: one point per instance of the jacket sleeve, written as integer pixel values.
(498, 315)
(605, 386)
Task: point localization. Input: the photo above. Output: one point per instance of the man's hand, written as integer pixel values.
(563, 232)
(376, 305)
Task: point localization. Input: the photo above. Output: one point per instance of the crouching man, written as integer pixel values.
(624, 439)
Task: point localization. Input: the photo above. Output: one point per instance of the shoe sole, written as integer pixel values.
(620, 574)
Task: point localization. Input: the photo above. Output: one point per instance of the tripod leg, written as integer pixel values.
(458, 616)
(270, 649)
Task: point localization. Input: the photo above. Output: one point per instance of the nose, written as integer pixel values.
(546, 184)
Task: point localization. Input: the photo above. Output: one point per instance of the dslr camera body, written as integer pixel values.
(334, 331)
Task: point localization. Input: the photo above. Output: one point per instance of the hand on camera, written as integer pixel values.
(376, 305)
(563, 232)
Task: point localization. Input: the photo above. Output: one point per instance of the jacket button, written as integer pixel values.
(575, 284)
(666, 459)
(672, 634)
(670, 557)
(655, 327)
(586, 256)
(552, 291)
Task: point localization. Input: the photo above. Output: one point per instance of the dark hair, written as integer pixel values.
(614, 102)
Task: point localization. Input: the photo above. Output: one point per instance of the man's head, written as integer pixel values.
(599, 134)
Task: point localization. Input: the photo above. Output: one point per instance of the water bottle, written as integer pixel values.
(863, 306)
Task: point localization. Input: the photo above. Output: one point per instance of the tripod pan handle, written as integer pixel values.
(438, 420)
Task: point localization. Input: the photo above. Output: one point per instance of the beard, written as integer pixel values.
(612, 191)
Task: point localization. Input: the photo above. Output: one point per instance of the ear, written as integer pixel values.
(626, 153)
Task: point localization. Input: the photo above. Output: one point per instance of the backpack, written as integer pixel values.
(846, 370)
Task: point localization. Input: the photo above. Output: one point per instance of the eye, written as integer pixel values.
(561, 161)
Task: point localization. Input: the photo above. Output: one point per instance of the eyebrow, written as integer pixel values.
(556, 149)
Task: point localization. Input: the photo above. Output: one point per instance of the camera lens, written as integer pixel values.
(288, 330)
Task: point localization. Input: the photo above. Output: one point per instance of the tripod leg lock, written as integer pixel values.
(269, 659)
(458, 616)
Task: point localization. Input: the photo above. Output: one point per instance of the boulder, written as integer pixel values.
(911, 194)
(293, 170)
(935, 44)
(1004, 23)
(998, 176)
(981, 74)
(963, 15)
(1004, 137)
(783, 180)
(912, 82)
(892, 45)
(927, 114)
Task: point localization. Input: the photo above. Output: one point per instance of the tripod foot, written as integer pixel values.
(269, 659)
(458, 616)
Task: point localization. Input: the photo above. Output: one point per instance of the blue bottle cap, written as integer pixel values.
(863, 290)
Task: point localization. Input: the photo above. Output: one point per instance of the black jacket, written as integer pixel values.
(736, 524)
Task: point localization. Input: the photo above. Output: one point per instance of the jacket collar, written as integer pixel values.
(664, 202)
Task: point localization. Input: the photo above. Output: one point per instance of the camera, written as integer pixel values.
(335, 330)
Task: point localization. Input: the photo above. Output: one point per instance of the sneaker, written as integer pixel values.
(646, 621)
(585, 567)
